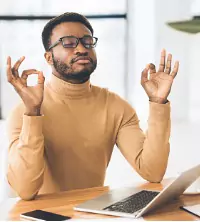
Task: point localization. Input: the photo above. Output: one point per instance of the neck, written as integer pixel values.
(66, 88)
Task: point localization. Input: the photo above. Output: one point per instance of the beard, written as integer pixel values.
(67, 72)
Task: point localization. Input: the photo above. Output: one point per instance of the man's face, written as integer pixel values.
(73, 64)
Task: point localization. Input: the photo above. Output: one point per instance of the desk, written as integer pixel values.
(64, 202)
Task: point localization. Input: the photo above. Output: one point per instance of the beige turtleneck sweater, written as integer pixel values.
(70, 146)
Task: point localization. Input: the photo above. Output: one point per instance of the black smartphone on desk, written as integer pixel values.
(195, 209)
(43, 215)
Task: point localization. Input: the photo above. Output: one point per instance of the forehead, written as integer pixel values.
(69, 28)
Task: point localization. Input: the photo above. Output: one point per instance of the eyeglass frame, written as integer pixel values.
(78, 41)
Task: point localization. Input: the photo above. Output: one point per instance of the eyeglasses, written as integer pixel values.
(72, 42)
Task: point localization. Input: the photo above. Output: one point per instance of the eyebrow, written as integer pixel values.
(78, 37)
(87, 36)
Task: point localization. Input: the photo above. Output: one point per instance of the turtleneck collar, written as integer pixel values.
(68, 89)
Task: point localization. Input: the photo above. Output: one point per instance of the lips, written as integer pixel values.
(82, 59)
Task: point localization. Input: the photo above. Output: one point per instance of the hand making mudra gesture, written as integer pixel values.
(32, 96)
(159, 83)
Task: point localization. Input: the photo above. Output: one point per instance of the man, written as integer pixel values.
(62, 134)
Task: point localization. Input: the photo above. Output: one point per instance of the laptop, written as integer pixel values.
(135, 202)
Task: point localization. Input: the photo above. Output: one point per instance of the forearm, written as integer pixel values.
(26, 159)
(153, 158)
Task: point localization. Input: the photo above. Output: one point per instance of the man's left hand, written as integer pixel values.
(158, 85)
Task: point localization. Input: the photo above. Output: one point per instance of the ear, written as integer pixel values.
(48, 57)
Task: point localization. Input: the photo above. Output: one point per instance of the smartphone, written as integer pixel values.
(43, 215)
(195, 209)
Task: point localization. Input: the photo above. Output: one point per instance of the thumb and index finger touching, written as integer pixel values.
(163, 67)
(12, 73)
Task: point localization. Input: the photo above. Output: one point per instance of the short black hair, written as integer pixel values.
(66, 17)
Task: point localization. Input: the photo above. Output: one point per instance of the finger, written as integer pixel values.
(16, 66)
(26, 73)
(41, 79)
(175, 69)
(9, 61)
(11, 79)
(152, 68)
(169, 63)
(144, 75)
(162, 61)
(9, 71)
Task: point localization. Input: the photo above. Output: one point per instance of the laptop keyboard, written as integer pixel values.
(133, 203)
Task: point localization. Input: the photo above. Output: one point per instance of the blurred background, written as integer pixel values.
(131, 34)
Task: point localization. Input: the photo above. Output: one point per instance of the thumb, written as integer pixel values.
(144, 75)
(41, 79)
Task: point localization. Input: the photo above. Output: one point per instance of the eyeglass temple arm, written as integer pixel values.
(54, 44)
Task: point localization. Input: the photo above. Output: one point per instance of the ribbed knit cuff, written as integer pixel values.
(32, 125)
(159, 112)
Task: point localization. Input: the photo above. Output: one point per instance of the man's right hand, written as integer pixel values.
(32, 96)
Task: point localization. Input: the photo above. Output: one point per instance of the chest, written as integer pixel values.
(74, 126)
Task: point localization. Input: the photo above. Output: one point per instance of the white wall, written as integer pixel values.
(194, 77)
(178, 44)
(149, 34)
(141, 50)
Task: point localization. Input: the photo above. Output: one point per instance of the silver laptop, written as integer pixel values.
(134, 202)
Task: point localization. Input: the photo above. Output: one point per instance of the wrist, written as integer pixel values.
(36, 111)
(158, 100)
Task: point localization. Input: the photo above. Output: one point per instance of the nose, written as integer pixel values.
(80, 48)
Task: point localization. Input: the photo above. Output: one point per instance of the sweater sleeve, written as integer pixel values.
(148, 154)
(26, 154)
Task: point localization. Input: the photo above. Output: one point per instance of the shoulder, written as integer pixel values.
(114, 101)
